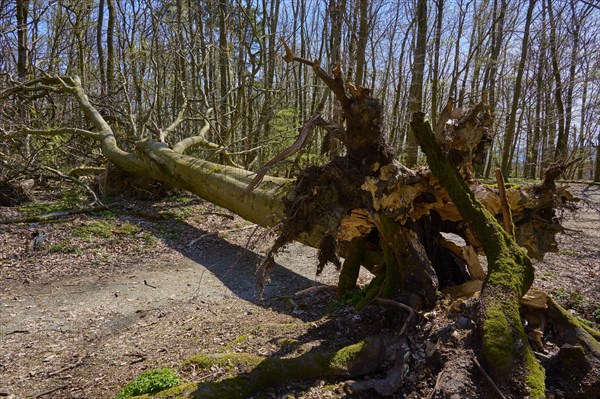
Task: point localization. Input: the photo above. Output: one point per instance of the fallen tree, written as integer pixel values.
(417, 230)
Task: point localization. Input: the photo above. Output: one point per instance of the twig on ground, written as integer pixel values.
(436, 386)
(76, 181)
(314, 289)
(68, 367)
(489, 379)
(18, 332)
(148, 285)
(138, 360)
(50, 216)
(221, 214)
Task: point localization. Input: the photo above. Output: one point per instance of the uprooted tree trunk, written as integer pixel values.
(416, 230)
(505, 347)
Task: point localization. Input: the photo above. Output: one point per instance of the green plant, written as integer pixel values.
(180, 213)
(170, 232)
(181, 199)
(352, 298)
(149, 238)
(126, 228)
(94, 228)
(597, 313)
(570, 299)
(43, 207)
(64, 247)
(150, 381)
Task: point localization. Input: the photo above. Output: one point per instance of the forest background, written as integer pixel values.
(155, 68)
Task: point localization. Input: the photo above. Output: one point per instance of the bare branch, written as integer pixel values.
(180, 118)
(78, 182)
(335, 83)
(315, 120)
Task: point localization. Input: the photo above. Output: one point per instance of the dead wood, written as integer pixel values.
(356, 360)
(51, 215)
(510, 274)
(506, 214)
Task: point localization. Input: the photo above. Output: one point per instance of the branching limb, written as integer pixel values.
(200, 140)
(315, 120)
(178, 121)
(335, 82)
(197, 140)
(76, 181)
(510, 274)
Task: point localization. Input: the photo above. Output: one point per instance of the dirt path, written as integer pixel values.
(88, 330)
(87, 313)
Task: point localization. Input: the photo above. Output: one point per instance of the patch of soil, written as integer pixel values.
(149, 284)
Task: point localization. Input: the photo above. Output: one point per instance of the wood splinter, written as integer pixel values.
(506, 214)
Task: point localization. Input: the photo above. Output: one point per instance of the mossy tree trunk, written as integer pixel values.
(505, 347)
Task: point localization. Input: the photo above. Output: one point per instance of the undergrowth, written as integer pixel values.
(150, 381)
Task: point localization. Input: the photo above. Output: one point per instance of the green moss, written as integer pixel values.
(371, 290)
(39, 208)
(215, 169)
(180, 213)
(236, 341)
(65, 247)
(574, 321)
(126, 229)
(341, 359)
(105, 229)
(498, 342)
(225, 360)
(269, 372)
(351, 267)
(536, 376)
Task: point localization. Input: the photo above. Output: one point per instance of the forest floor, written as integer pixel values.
(149, 284)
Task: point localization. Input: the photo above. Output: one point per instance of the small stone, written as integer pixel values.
(464, 322)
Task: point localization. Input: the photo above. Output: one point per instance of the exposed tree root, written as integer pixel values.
(362, 358)
(575, 369)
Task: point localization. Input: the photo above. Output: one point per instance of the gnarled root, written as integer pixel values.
(352, 361)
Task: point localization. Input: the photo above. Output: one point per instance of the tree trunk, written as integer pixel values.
(505, 348)
(110, 47)
(22, 45)
(562, 139)
(597, 160)
(361, 46)
(415, 101)
(510, 129)
(435, 78)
